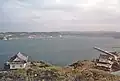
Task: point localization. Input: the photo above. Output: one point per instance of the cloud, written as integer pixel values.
(52, 15)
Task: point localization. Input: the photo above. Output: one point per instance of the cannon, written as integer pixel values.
(106, 52)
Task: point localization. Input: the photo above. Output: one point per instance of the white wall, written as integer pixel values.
(17, 66)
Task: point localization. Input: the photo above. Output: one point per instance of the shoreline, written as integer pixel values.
(39, 70)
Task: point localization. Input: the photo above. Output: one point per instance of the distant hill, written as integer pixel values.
(64, 33)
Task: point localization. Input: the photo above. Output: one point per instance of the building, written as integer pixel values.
(18, 61)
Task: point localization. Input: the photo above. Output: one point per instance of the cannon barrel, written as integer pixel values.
(103, 51)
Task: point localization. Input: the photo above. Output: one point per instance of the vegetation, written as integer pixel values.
(85, 71)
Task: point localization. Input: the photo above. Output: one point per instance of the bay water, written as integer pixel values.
(59, 51)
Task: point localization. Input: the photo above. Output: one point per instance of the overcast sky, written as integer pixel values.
(59, 15)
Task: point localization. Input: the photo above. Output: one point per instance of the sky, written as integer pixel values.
(59, 15)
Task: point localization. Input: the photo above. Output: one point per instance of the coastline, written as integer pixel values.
(39, 70)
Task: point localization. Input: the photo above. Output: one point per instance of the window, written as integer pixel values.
(20, 65)
(13, 66)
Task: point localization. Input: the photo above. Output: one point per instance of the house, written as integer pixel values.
(18, 61)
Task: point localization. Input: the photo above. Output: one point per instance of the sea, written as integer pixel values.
(59, 51)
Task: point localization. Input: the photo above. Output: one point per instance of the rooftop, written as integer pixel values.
(19, 57)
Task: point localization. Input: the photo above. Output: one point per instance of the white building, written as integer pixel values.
(18, 61)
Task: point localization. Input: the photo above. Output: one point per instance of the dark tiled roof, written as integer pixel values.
(18, 57)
